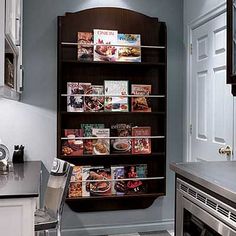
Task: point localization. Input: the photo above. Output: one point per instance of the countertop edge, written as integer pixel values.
(203, 182)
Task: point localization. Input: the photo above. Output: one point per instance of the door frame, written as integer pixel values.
(213, 13)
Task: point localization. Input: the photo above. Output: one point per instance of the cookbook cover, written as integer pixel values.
(101, 146)
(118, 185)
(85, 47)
(76, 103)
(102, 184)
(134, 185)
(85, 184)
(87, 132)
(131, 51)
(141, 145)
(75, 188)
(107, 51)
(141, 104)
(121, 145)
(142, 170)
(119, 102)
(94, 103)
(72, 146)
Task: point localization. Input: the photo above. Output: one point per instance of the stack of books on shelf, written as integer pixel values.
(110, 97)
(109, 45)
(98, 140)
(104, 181)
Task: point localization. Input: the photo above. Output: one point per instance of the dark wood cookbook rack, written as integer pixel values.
(151, 70)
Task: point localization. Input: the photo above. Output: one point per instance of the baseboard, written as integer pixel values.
(119, 229)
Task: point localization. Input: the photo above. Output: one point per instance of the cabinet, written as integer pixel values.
(151, 70)
(11, 48)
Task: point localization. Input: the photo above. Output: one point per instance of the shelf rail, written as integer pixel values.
(116, 180)
(112, 95)
(115, 45)
(127, 137)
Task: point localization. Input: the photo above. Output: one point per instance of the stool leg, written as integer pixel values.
(59, 225)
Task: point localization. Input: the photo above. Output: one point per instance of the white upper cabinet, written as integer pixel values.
(11, 48)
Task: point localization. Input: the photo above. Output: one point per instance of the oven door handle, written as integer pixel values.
(208, 219)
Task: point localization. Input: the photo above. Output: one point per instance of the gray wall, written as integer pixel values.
(33, 121)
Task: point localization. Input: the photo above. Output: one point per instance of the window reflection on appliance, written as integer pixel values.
(195, 227)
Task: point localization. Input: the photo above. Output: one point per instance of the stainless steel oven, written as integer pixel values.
(200, 214)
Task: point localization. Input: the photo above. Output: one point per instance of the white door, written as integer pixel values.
(211, 110)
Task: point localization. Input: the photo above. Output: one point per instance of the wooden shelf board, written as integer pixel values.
(65, 113)
(115, 63)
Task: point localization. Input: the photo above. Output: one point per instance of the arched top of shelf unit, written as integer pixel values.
(113, 19)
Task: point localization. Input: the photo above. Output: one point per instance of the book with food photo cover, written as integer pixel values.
(133, 186)
(113, 102)
(141, 144)
(87, 132)
(101, 145)
(72, 146)
(75, 188)
(107, 51)
(141, 104)
(121, 145)
(85, 46)
(102, 184)
(131, 51)
(118, 185)
(142, 170)
(94, 103)
(76, 103)
(85, 185)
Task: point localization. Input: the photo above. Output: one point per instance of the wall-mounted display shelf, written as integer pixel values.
(142, 147)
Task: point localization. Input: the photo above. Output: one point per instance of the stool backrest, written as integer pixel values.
(57, 187)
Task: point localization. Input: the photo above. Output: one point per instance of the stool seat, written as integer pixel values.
(44, 220)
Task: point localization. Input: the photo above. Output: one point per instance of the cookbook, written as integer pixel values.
(101, 146)
(118, 185)
(121, 145)
(85, 47)
(140, 143)
(87, 132)
(131, 49)
(113, 102)
(102, 181)
(75, 187)
(141, 104)
(75, 103)
(104, 45)
(94, 103)
(73, 146)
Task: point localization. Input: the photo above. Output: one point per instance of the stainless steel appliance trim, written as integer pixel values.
(208, 219)
(219, 209)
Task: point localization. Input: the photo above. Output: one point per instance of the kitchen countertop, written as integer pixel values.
(219, 177)
(22, 181)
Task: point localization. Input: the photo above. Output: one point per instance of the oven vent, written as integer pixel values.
(211, 204)
(232, 217)
(192, 192)
(184, 188)
(223, 211)
(201, 198)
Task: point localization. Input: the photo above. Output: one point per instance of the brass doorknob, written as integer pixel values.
(226, 150)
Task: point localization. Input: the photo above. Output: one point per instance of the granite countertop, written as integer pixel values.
(219, 177)
(22, 181)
